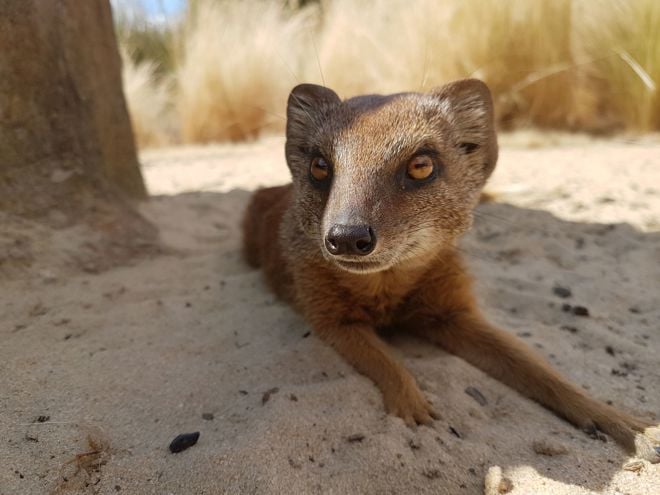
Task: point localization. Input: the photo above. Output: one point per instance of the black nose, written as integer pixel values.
(350, 239)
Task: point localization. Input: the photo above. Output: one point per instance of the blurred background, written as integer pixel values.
(199, 71)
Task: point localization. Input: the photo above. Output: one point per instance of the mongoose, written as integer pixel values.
(363, 240)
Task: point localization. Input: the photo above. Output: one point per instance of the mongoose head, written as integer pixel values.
(382, 180)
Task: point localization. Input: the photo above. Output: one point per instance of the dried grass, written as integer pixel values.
(149, 101)
(239, 61)
(623, 40)
(560, 64)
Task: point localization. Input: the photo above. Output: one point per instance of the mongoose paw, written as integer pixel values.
(647, 444)
(640, 437)
(410, 405)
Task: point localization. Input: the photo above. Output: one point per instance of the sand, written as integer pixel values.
(100, 371)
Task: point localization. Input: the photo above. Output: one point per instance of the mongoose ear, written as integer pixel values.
(306, 105)
(468, 106)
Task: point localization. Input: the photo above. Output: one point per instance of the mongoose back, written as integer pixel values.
(363, 240)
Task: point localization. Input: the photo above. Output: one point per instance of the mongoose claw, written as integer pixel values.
(647, 444)
(640, 437)
(410, 405)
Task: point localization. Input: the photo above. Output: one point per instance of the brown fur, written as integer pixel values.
(414, 280)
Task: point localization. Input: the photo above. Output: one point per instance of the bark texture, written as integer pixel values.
(65, 131)
(67, 155)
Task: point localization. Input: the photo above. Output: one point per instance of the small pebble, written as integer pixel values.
(562, 292)
(476, 395)
(454, 432)
(505, 486)
(207, 416)
(543, 447)
(31, 438)
(355, 437)
(634, 466)
(495, 482)
(183, 442)
(595, 433)
(580, 311)
(266, 397)
(432, 474)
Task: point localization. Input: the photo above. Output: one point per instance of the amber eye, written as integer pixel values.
(319, 169)
(420, 167)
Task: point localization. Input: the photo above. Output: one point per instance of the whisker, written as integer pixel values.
(426, 61)
(484, 214)
(268, 112)
(318, 61)
(302, 107)
(471, 254)
(291, 72)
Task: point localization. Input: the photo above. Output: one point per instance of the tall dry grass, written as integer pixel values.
(239, 60)
(623, 41)
(149, 99)
(521, 48)
(563, 64)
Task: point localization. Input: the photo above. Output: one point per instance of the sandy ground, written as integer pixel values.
(99, 372)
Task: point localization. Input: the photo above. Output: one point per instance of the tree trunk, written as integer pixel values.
(67, 154)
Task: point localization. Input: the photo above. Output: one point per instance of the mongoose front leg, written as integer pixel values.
(368, 354)
(506, 358)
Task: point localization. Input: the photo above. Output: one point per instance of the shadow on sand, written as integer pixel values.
(155, 349)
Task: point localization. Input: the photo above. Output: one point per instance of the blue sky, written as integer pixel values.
(154, 9)
(163, 6)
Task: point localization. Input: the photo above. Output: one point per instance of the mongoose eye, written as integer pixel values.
(420, 167)
(319, 169)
